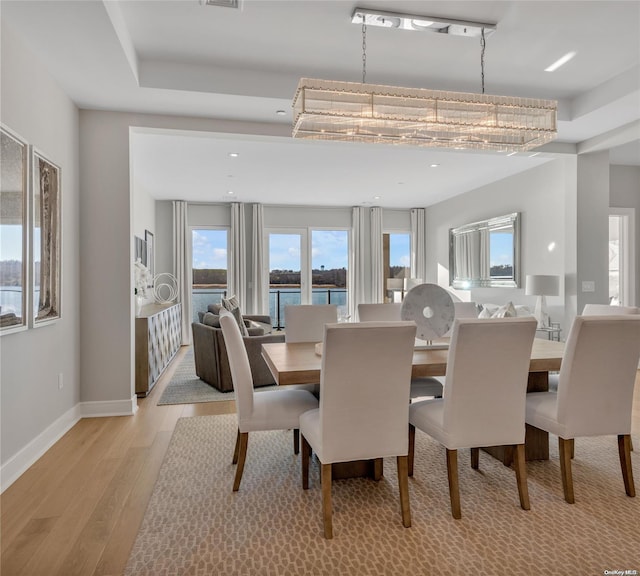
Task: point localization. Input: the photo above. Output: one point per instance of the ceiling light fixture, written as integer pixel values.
(234, 154)
(348, 111)
(560, 62)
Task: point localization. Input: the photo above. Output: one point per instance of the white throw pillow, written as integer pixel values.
(485, 313)
(506, 311)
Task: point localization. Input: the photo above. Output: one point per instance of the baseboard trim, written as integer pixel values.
(109, 408)
(19, 463)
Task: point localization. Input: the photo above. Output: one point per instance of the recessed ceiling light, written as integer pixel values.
(560, 62)
(230, 192)
(280, 112)
(512, 154)
(376, 197)
(234, 154)
(434, 165)
(534, 154)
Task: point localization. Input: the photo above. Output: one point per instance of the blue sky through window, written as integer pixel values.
(500, 248)
(400, 250)
(209, 249)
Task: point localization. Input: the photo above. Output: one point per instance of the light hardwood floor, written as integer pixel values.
(77, 510)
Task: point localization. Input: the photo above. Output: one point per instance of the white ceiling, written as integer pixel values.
(184, 58)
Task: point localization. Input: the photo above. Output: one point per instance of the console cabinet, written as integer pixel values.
(158, 338)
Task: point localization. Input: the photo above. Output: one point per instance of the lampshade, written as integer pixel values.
(347, 111)
(542, 285)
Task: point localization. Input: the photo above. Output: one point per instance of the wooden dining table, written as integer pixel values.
(300, 363)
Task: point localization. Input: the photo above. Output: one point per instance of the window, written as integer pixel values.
(396, 265)
(307, 266)
(621, 257)
(209, 266)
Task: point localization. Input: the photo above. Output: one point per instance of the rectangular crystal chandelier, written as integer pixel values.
(353, 112)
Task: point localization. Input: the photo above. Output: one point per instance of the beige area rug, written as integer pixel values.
(186, 388)
(195, 525)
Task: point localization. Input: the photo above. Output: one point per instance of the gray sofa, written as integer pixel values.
(210, 352)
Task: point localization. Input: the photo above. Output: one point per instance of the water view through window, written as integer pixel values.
(209, 265)
(291, 264)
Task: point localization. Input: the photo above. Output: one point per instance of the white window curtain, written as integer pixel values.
(182, 266)
(418, 247)
(377, 264)
(237, 280)
(260, 283)
(485, 256)
(357, 267)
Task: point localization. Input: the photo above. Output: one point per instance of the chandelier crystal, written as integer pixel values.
(352, 112)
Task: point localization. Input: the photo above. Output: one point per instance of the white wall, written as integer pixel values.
(592, 212)
(538, 194)
(33, 410)
(107, 228)
(624, 192)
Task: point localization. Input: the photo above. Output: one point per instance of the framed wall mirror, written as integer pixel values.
(486, 253)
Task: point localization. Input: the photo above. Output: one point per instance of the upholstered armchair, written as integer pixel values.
(210, 351)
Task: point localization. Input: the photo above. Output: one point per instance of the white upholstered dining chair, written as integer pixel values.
(389, 312)
(484, 398)
(263, 410)
(364, 404)
(607, 310)
(305, 322)
(595, 391)
(597, 310)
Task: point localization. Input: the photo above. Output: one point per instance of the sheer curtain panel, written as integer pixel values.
(182, 266)
(237, 281)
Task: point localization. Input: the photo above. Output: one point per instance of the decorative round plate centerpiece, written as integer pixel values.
(430, 306)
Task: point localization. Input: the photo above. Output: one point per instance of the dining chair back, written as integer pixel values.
(388, 312)
(484, 396)
(607, 310)
(595, 391)
(487, 373)
(305, 322)
(265, 410)
(364, 403)
(600, 351)
(464, 310)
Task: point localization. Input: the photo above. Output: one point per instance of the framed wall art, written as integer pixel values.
(14, 213)
(148, 237)
(46, 237)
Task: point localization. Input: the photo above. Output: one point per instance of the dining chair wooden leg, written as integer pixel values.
(624, 450)
(475, 458)
(403, 484)
(377, 468)
(242, 456)
(573, 448)
(236, 449)
(521, 476)
(412, 446)
(326, 501)
(454, 489)
(564, 447)
(296, 441)
(304, 460)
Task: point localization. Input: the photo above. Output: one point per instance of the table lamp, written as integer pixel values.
(541, 285)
